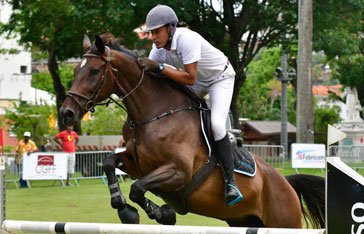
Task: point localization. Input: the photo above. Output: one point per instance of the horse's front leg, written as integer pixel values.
(127, 213)
(163, 177)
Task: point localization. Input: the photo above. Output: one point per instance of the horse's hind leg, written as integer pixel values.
(127, 213)
(163, 215)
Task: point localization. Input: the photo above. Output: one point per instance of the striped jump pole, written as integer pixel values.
(96, 228)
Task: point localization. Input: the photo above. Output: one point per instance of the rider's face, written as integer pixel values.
(160, 36)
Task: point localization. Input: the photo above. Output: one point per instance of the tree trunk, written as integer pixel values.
(305, 129)
(58, 88)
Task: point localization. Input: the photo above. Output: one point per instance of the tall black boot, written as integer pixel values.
(224, 152)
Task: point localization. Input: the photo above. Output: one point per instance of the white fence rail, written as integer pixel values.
(88, 166)
(273, 154)
(89, 163)
(86, 228)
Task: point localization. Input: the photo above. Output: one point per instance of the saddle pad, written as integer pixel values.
(244, 162)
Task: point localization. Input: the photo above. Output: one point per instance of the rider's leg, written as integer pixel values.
(224, 152)
(220, 98)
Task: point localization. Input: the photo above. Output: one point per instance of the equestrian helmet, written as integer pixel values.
(159, 16)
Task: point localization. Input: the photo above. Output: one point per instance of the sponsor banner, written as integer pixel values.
(308, 155)
(344, 198)
(45, 166)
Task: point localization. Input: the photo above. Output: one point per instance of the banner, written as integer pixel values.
(344, 198)
(308, 155)
(45, 166)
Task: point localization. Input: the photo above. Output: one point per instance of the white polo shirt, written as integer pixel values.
(188, 47)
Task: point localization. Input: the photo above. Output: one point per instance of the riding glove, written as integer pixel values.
(148, 64)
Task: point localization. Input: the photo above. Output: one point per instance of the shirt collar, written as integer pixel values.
(174, 40)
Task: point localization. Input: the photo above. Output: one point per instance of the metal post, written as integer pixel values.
(2, 180)
(284, 79)
(2, 194)
(282, 75)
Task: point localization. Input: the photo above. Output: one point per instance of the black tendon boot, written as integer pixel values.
(224, 152)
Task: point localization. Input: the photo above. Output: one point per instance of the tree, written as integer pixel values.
(324, 115)
(105, 121)
(239, 28)
(350, 72)
(247, 26)
(43, 80)
(57, 28)
(33, 118)
(305, 128)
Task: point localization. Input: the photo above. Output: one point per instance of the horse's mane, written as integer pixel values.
(112, 42)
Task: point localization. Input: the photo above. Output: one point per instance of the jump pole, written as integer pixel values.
(100, 228)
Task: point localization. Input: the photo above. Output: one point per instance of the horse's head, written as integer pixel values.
(94, 81)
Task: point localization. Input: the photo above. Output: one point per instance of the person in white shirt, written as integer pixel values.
(199, 65)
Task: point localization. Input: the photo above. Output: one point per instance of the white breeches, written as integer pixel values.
(220, 92)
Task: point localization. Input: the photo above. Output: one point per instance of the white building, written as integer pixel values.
(15, 70)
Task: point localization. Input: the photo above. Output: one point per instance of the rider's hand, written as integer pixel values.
(148, 64)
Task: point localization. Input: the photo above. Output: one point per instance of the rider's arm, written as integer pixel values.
(186, 77)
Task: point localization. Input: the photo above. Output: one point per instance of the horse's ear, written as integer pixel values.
(99, 44)
(86, 43)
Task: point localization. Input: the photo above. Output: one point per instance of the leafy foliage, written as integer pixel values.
(350, 72)
(33, 118)
(239, 28)
(337, 24)
(323, 116)
(260, 95)
(43, 80)
(105, 121)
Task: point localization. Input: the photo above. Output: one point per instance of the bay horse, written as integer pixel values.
(165, 149)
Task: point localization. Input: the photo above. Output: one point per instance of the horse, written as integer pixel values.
(166, 149)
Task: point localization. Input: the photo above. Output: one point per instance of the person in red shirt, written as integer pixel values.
(69, 140)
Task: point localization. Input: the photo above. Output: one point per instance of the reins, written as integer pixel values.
(90, 105)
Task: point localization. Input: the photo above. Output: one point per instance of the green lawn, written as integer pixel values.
(89, 202)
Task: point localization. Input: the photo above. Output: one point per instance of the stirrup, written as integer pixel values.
(238, 198)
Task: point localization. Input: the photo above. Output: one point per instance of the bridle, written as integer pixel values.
(91, 101)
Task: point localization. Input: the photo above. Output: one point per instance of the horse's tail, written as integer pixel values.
(311, 190)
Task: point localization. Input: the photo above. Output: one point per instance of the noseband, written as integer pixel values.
(91, 101)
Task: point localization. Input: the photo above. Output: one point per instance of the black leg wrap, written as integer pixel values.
(168, 215)
(129, 215)
(137, 192)
(109, 164)
(117, 199)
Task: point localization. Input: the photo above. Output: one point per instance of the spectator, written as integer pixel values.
(25, 147)
(69, 140)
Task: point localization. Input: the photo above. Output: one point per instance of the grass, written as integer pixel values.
(90, 202)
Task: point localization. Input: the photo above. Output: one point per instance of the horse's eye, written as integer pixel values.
(94, 71)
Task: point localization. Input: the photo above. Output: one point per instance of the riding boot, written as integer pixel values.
(224, 152)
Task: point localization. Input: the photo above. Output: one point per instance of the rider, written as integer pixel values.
(201, 66)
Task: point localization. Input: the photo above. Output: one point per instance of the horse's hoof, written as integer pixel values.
(129, 215)
(168, 215)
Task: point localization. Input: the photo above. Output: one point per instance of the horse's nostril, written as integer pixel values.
(70, 114)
